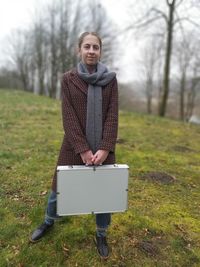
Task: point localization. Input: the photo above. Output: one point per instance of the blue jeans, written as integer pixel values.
(102, 219)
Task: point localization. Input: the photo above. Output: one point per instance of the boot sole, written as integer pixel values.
(34, 241)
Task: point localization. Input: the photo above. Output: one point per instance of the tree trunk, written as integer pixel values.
(54, 59)
(182, 96)
(165, 93)
(149, 91)
(41, 83)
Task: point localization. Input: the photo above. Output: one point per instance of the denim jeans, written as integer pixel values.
(102, 219)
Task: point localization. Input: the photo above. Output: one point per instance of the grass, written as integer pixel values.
(162, 225)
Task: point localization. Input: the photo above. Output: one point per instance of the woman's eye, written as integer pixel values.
(96, 47)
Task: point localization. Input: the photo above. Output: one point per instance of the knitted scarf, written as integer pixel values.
(95, 82)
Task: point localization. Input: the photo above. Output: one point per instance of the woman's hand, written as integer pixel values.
(87, 157)
(99, 157)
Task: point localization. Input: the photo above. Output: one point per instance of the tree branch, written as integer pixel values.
(181, 25)
(161, 13)
(142, 23)
(172, 2)
(188, 20)
(178, 4)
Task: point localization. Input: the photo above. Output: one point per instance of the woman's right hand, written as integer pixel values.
(87, 157)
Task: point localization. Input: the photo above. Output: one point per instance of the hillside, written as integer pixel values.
(162, 225)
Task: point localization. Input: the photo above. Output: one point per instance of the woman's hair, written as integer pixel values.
(82, 36)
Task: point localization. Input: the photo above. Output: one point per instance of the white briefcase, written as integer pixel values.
(92, 189)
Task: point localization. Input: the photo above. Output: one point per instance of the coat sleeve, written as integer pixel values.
(71, 123)
(110, 126)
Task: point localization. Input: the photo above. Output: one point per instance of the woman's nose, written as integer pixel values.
(91, 50)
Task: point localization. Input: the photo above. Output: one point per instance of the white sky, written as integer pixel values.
(13, 14)
(18, 13)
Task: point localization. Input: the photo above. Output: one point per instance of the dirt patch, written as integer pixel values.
(182, 149)
(152, 246)
(148, 247)
(161, 177)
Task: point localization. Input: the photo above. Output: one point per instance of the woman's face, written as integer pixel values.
(90, 50)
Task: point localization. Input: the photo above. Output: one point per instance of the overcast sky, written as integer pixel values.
(19, 13)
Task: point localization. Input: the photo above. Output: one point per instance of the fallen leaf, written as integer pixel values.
(65, 248)
(43, 193)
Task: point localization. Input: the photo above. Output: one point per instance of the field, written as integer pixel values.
(162, 225)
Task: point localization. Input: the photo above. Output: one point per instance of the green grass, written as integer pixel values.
(166, 216)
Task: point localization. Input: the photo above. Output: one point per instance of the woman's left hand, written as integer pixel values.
(99, 157)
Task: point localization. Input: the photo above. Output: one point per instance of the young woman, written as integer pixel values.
(90, 122)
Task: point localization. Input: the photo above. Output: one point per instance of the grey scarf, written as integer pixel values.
(94, 101)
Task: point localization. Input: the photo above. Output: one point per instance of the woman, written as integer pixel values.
(90, 122)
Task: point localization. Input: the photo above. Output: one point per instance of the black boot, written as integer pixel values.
(102, 247)
(40, 232)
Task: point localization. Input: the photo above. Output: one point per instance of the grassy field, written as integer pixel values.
(162, 225)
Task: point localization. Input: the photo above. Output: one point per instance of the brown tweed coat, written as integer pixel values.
(74, 110)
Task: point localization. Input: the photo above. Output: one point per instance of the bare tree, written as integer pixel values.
(170, 28)
(185, 54)
(151, 55)
(40, 53)
(77, 23)
(171, 18)
(19, 53)
(63, 31)
(53, 49)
